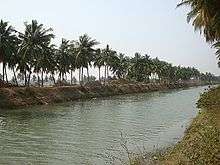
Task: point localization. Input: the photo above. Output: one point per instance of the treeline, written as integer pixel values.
(32, 55)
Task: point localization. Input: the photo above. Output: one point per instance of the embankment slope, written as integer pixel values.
(201, 143)
(17, 97)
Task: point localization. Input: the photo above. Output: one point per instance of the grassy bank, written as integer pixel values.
(201, 144)
(28, 96)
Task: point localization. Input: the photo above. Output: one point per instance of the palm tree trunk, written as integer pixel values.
(105, 74)
(66, 76)
(79, 74)
(87, 73)
(63, 77)
(82, 76)
(29, 78)
(25, 77)
(99, 74)
(60, 76)
(42, 78)
(54, 81)
(6, 76)
(16, 81)
(71, 77)
(38, 79)
(3, 71)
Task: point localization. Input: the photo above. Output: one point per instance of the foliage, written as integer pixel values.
(32, 53)
(205, 17)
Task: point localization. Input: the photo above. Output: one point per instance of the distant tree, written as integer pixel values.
(85, 53)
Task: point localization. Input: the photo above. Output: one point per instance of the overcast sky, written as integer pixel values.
(128, 26)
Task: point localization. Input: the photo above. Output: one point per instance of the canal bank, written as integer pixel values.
(201, 143)
(19, 97)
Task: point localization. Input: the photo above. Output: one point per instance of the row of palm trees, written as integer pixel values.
(205, 17)
(32, 54)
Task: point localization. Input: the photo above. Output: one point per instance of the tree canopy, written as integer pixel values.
(32, 56)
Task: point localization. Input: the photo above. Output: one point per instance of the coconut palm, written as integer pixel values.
(99, 61)
(85, 53)
(108, 54)
(136, 70)
(63, 58)
(45, 63)
(8, 45)
(12, 62)
(120, 65)
(72, 60)
(217, 46)
(205, 17)
(35, 41)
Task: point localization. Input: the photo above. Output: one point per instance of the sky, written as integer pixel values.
(153, 27)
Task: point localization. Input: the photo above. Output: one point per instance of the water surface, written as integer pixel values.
(86, 132)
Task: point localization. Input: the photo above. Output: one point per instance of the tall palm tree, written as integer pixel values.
(12, 62)
(108, 54)
(8, 45)
(72, 58)
(99, 61)
(85, 53)
(34, 41)
(45, 63)
(63, 58)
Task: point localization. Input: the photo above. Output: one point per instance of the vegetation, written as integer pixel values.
(201, 144)
(205, 17)
(32, 57)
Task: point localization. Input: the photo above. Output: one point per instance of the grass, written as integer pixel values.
(201, 143)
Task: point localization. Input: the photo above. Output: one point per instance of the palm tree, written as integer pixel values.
(63, 58)
(99, 61)
(205, 16)
(120, 65)
(13, 60)
(217, 46)
(139, 69)
(34, 41)
(51, 62)
(72, 60)
(85, 53)
(108, 55)
(45, 63)
(8, 45)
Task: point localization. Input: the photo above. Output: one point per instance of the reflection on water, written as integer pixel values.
(81, 132)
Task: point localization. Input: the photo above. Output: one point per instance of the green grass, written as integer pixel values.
(201, 143)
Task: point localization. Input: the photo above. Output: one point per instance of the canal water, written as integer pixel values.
(93, 131)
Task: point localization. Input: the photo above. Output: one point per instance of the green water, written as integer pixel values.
(88, 132)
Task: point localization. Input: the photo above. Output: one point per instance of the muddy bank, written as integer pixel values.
(17, 97)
